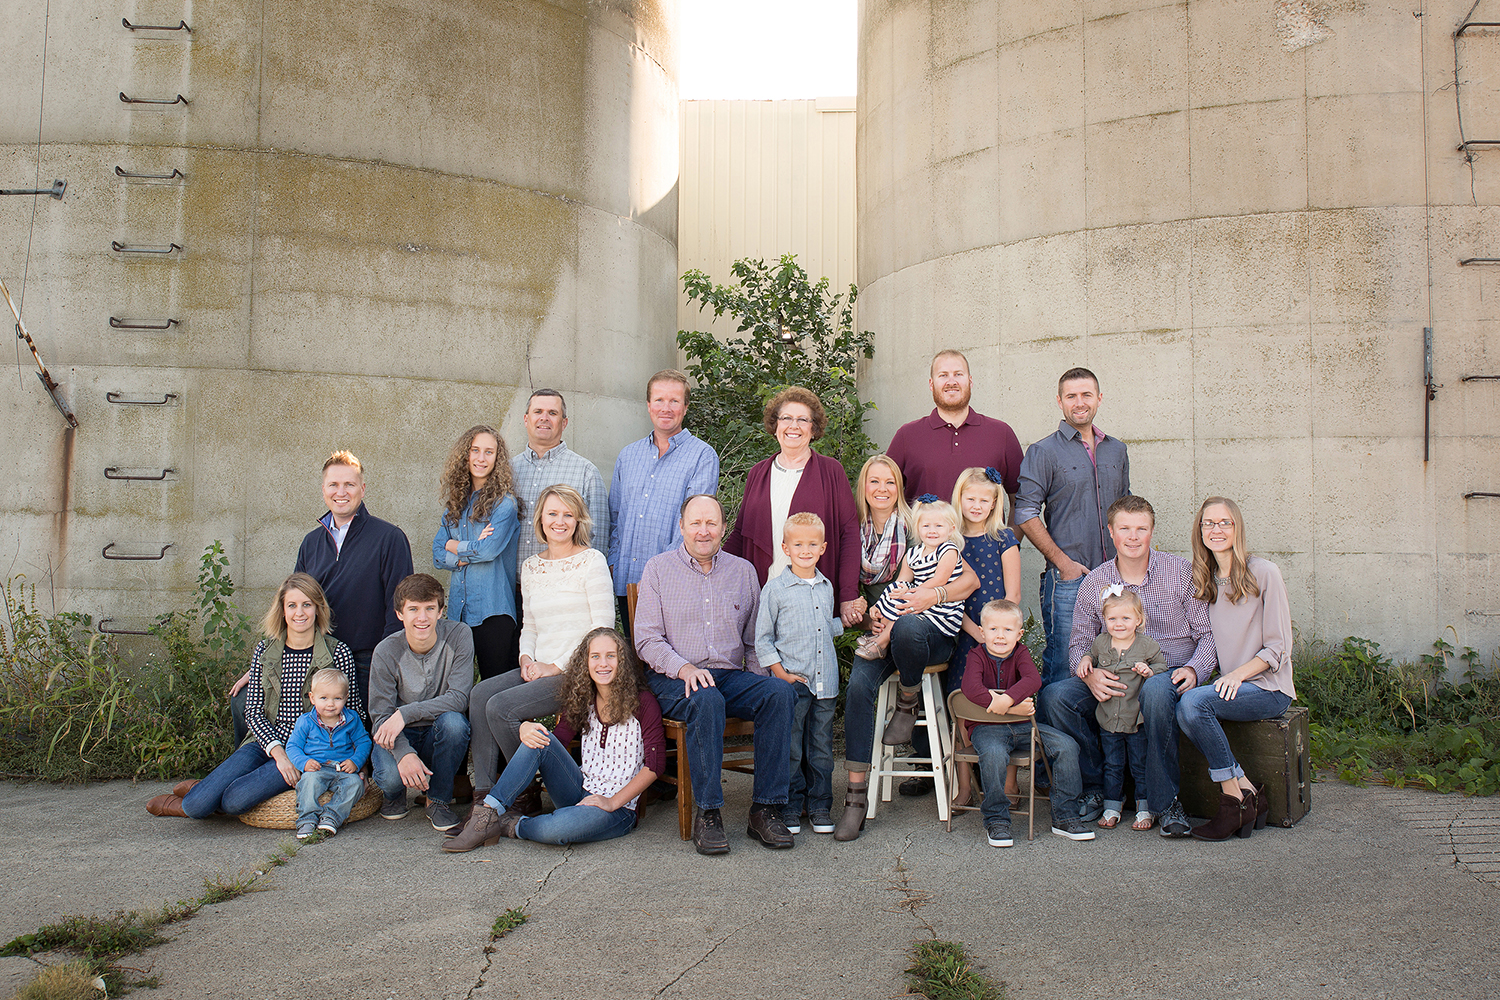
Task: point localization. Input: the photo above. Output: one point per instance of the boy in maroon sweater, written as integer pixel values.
(1000, 677)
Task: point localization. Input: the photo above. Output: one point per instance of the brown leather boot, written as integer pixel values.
(166, 805)
(183, 787)
(903, 720)
(1228, 820)
(852, 819)
(481, 829)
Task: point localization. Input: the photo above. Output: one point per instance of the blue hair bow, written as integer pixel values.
(929, 498)
(993, 475)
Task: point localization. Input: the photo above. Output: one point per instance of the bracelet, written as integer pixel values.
(942, 593)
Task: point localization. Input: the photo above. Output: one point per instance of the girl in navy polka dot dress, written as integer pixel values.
(991, 548)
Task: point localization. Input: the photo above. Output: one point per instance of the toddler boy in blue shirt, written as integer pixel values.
(329, 745)
(794, 633)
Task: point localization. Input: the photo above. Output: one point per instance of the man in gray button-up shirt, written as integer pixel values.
(1070, 477)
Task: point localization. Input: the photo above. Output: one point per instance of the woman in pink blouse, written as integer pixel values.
(1252, 626)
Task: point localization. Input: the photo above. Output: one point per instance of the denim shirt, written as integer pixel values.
(487, 585)
(796, 626)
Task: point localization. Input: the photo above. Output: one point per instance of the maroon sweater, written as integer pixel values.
(1016, 676)
(823, 490)
(652, 736)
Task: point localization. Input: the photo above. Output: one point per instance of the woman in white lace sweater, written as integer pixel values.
(566, 591)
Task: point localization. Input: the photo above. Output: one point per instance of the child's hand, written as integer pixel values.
(535, 735)
(1085, 665)
(312, 766)
(1142, 669)
(780, 672)
(347, 767)
(1026, 706)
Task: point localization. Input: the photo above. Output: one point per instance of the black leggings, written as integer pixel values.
(496, 643)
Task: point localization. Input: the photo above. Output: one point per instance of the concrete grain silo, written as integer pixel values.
(1242, 215)
(365, 225)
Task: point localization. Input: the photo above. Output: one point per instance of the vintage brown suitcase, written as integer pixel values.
(1273, 752)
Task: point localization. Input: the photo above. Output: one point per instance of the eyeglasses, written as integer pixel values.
(787, 418)
(1224, 525)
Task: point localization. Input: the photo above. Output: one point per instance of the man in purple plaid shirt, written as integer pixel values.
(695, 628)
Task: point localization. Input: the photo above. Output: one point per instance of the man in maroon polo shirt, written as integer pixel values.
(931, 451)
(934, 449)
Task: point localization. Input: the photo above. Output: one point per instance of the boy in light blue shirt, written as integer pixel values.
(794, 633)
(329, 745)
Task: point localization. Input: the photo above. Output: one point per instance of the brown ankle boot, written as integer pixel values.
(166, 805)
(903, 720)
(852, 819)
(1227, 821)
(183, 787)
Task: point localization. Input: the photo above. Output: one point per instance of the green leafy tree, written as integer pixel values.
(795, 332)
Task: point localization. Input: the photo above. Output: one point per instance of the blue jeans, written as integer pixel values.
(811, 764)
(246, 779)
(570, 823)
(994, 741)
(1116, 747)
(441, 746)
(1069, 707)
(766, 701)
(1199, 712)
(1058, 598)
(916, 644)
(346, 789)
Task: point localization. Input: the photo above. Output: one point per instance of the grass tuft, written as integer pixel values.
(72, 981)
(507, 922)
(942, 970)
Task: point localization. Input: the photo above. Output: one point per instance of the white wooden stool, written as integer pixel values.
(886, 767)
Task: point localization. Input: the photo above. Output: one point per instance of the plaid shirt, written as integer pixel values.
(645, 497)
(686, 617)
(1176, 619)
(534, 473)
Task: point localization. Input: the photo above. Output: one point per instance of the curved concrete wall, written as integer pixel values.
(397, 217)
(1241, 215)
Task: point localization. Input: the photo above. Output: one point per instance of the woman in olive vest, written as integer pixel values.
(297, 645)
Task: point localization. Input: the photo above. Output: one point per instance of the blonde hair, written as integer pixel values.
(976, 476)
(1127, 597)
(583, 526)
(345, 457)
(328, 675)
(1000, 606)
(274, 623)
(803, 519)
(863, 505)
(938, 508)
(1241, 581)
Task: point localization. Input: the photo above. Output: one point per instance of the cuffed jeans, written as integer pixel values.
(996, 741)
(497, 707)
(767, 701)
(811, 765)
(1116, 748)
(570, 823)
(916, 644)
(1058, 597)
(1069, 707)
(247, 778)
(346, 789)
(441, 746)
(1199, 712)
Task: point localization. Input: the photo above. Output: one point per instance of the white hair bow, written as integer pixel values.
(1113, 591)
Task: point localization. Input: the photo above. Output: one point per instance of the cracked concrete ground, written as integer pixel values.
(1375, 893)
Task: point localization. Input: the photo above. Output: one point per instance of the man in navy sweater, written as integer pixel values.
(358, 559)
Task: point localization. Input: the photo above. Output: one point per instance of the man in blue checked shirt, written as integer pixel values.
(653, 476)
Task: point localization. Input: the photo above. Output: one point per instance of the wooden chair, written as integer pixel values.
(739, 757)
(886, 767)
(960, 710)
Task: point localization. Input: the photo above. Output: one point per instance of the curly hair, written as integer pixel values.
(796, 394)
(579, 691)
(456, 484)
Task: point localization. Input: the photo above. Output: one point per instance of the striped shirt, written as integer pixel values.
(295, 663)
(534, 473)
(646, 495)
(948, 616)
(1176, 619)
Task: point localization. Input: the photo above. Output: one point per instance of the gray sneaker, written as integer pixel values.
(1090, 807)
(998, 834)
(394, 808)
(821, 820)
(793, 823)
(440, 816)
(327, 827)
(1174, 822)
(307, 831)
(1072, 828)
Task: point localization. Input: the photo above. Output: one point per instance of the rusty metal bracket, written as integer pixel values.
(1490, 496)
(1431, 388)
(56, 190)
(179, 99)
(116, 397)
(119, 247)
(113, 473)
(159, 556)
(174, 175)
(1478, 260)
(140, 324)
(1480, 378)
(181, 26)
(53, 389)
(120, 631)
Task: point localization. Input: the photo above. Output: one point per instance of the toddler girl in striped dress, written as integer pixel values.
(933, 562)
